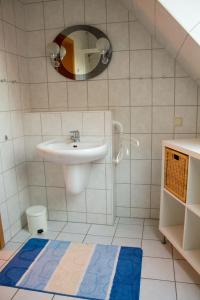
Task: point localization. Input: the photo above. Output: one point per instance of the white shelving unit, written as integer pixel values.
(179, 221)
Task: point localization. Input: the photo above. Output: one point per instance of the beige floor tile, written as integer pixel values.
(156, 249)
(187, 291)
(151, 233)
(127, 242)
(30, 295)
(80, 228)
(130, 231)
(185, 273)
(157, 268)
(157, 290)
(74, 237)
(6, 293)
(94, 239)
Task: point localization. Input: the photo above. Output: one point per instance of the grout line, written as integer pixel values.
(115, 231)
(174, 277)
(87, 233)
(13, 297)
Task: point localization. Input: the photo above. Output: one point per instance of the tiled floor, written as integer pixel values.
(165, 275)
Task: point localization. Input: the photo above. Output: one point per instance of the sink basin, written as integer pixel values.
(72, 153)
(76, 159)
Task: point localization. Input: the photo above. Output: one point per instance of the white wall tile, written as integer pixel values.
(7, 155)
(189, 116)
(4, 104)
(10, 38)
(155, 196)
(116, 12)
(93, 118)
(139, 37)
(10, 182)
(38, 195)
(76, 203)
(116, 70)
(141, 92)
(32, 124)
(52, 19)
(16, 124)
(95, 11)
(163, 119)
(163, 64)
(140, 196)
(140, 64)
(156, 172)
(69, 17)
(5, 126)
(141, 171)
(71, 121)
(21, 172)
(77, 94)
(36, 173)
(96, 218)
(97, 179)
(123, 172)
(19, 150)
(34, 16)
(31, 143)
(57, 95)
(56, 199)
(54, 175)
(123, 211)
(123, 193)
(157, 144)
(163, 91)
(122, 115)
(36, 43)
(119, 92)
(185, 91)
(141, 120)
(97, 99)
(140, 212)
(51, 123)
(2, 190)
(114, 30)
(13, 209)
(37, 69)
(143, 151)
(8, 12)
(96, 201)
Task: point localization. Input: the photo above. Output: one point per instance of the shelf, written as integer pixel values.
(175, 198)
(193, 257)
(180, 221)
(174, 234)
(195, 208)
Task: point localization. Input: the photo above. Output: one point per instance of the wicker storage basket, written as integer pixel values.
(176, 169)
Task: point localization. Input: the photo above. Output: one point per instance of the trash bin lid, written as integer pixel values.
(35, 211)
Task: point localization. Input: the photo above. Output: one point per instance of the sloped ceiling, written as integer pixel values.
(176, 24)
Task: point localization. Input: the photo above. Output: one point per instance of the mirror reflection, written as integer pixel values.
(80, 52)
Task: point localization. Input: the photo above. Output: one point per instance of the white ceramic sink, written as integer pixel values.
(76, 159)
(72, 153)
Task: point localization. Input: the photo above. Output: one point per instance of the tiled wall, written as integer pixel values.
(143, 87)
(46, 180)
(14, 195)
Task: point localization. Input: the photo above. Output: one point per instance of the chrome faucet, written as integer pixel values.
(75, 136)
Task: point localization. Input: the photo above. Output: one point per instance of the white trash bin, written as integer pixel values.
(37, 219)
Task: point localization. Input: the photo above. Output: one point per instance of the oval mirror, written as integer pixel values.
(80, 52)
